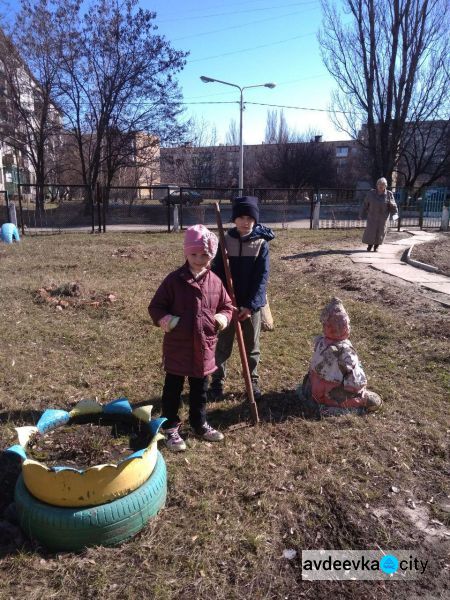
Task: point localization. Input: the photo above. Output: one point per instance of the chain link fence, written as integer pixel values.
(167, 207)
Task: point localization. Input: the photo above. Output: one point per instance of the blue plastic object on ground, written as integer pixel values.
(9, 233)
(52, 418)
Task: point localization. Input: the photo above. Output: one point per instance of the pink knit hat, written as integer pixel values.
(198, 238)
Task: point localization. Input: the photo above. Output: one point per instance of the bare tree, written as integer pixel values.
(118, 76)
(232, 137)
(390, 60)
(293, 160)
(200, 133)
(30, 57)
(277, 129)
(195, 162)
(425, 157)
(133, 153)
(298, 164)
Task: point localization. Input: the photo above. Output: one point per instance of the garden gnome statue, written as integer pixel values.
(336, 382)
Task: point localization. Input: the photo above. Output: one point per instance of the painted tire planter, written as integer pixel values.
(107, 524)
(96, 485)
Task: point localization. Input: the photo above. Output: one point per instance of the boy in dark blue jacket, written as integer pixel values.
(248, 254)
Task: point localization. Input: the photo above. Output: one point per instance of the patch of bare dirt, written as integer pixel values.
(72, 294)
(435, 253)
(364, 283)
(78, 446)
(131, 253)
(419, 516)
(86, 445)
(360, 282)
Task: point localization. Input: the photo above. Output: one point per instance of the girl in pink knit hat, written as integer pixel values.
(191, 306)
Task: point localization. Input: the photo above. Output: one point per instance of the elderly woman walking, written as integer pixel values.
(378, 205)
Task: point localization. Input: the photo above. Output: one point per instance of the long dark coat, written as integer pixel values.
(378, 208)
(189, 349)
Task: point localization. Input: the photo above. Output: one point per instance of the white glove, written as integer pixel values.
(221, 321)
(395, 217)
(168, 323)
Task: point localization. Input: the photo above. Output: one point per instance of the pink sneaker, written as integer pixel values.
(174, 441)
(209, 434)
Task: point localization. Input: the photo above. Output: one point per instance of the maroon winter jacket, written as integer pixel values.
(189, 348)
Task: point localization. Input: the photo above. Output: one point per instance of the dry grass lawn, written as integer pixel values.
(233, 508)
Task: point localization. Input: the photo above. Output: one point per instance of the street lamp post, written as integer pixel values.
(241, 111)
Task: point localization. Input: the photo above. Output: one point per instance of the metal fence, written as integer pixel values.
(73, 207)
(425, 211)
(4, 207)
(433, 203)
(339, 208)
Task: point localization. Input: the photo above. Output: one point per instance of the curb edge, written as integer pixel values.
(417, 263)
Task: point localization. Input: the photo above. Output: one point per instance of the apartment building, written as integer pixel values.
(218, 166)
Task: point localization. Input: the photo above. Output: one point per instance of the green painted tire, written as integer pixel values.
(103, 525)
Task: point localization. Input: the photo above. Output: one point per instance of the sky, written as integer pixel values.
(250, 42)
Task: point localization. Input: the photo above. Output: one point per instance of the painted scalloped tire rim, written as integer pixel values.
(108, 524)
(96, 485)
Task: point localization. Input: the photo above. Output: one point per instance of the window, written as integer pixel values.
(342, 151)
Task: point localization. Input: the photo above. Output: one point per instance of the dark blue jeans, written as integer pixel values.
(171, 400)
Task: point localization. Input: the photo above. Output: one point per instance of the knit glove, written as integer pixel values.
(221, 321)
(168, 323)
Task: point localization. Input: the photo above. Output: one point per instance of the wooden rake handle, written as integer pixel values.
(237, 324)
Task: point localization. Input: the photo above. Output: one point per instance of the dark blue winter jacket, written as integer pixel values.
(249, 265)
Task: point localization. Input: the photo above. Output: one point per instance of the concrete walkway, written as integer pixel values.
(388, 260)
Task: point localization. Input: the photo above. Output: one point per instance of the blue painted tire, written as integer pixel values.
(103, 525)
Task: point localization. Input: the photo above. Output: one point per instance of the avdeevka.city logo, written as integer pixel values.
(389, 564)
(347, 565)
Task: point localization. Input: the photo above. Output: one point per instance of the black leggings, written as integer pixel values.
(171, 400)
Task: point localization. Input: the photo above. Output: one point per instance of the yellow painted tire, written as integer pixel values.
(96, 485)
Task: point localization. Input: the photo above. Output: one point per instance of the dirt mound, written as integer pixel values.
(131, 253)
(71, 290)
(72, 294)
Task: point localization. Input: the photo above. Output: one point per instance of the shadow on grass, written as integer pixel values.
(11, 537)
(275, 407)
(155, 402)
(20, 417)
(31, 417)
(234, 410)
(316, 253)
